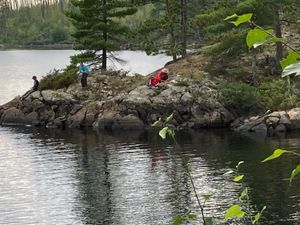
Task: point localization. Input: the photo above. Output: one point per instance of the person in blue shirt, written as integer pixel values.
(85, 71)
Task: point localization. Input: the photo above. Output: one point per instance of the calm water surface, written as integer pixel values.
(80, 177)
(18, 66)
(68, 177)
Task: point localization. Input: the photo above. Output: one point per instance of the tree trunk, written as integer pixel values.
(278, 33)
(254, 67)
(4, 14)
(104, 50)
(171, 27)
(183, 27)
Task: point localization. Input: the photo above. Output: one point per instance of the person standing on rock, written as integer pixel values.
(85, 71)
(36, 87)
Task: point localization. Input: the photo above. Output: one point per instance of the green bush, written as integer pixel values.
(274, 95)
(239, 96)
(60, 80)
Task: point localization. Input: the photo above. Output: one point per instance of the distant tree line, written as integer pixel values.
(169, 26)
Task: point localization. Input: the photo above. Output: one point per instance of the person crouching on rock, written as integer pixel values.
(85, 71)
(159, 78)
(36, 87)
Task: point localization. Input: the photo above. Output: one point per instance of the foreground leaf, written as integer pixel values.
(206, 196)
(290, 59)
(238, 178)
(240, 19)
(244, 194)
(179, 219)
(238, 165)
(243, 19)
(169, 118)
(257, 37)
(234, 211)
(163, 132)
(295, 172)
(155, 123)
(210, 221)
(291, 69)
(258, 215)
(231, 17)
(276, 154)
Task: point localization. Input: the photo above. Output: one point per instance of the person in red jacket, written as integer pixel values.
(159, 77)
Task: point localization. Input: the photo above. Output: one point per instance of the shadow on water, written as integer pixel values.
(136, 178)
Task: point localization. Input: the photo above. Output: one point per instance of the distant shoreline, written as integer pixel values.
(37, 47)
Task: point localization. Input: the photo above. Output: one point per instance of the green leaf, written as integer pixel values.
(257, 37)
(163, 132)
(234, 211)
(290, 59)
(238, 165)
(206, 196)
(231, 17)
(298, 21)
(191, 216)
(291, 69)
(295, 172)
(156, 122)
(244, 194)
(277, 153)
(258, 215)
(243, 19)
(210, 221)
(179, 219)
(170, 118)
(238, 178)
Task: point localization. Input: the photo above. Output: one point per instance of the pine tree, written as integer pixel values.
(97, 28)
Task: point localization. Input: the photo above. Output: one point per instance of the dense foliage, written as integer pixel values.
(29, 26)
(268, 95)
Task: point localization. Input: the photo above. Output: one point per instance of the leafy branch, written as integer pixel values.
(179, 219)
(236, 210)
(259, 36)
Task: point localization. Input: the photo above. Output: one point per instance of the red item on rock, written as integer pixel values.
(159, 77)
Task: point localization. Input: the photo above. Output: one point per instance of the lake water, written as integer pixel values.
(18, 66)
(80, 177)
(75, 177)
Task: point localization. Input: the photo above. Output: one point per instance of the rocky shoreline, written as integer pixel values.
(114, 101)
(100, 106)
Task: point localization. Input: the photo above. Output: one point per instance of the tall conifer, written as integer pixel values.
(97, 27)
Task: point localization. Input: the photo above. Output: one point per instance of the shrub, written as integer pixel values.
(239, 97)
(274, 95)
(59, 80)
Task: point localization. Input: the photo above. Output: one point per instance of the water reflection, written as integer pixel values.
(84, 177)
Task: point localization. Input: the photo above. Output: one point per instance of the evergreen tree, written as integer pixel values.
(96, 26)
(267, 13)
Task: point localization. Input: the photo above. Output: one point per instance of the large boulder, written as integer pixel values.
(57, 97)
(76, 120)
(106, 120)
(12, 116)
(294, 116)
(32, 118)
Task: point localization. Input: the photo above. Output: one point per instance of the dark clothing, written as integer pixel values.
(84, 79)
(28, 93)
(36, 85)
